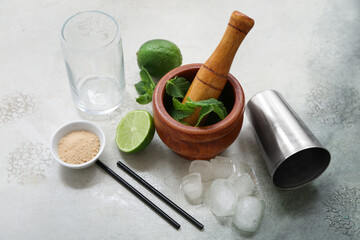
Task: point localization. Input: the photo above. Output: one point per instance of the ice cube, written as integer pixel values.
(248, 214)
(221, 198)
(243, 184)
(203, 167)
(193, 188)
(222, 167)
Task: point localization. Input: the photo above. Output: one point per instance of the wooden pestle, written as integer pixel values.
(212, 76)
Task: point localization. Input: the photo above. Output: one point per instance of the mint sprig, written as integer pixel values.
(177, 88)
(208, 106)
(145, 87)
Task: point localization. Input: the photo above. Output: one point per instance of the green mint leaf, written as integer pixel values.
(143, 99)
(178, 115)
(145, 87)
(140, 87)
(180, 110)
(208, 106)
(177, 87)
(205, 110)
(182, 106)
(146, 78)
(220, 111)
(207, 102)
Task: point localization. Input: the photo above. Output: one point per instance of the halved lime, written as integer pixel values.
(135, 131)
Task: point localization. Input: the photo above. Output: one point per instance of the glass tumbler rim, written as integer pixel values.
(73, 46)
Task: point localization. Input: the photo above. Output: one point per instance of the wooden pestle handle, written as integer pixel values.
(212, 76)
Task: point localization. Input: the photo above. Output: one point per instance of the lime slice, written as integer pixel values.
(135, 131)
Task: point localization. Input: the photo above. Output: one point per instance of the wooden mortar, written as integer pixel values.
(198, 142)
(212, 76)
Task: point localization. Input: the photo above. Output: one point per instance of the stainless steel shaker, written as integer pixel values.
(292, 153)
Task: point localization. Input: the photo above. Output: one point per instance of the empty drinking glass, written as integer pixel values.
(92, 49)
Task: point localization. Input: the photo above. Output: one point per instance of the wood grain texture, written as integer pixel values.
(212, 76)
(197, 142)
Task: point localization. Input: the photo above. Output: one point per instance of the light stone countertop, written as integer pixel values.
(307, 50)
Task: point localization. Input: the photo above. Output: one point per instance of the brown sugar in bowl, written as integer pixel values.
(198, 142)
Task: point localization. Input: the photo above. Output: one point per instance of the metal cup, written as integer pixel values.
(292, 153)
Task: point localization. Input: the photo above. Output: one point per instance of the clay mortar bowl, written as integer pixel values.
(198, 142)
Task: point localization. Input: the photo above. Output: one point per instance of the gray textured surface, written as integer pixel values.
(307, 50)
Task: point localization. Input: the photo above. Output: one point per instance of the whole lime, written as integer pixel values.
(159, 56)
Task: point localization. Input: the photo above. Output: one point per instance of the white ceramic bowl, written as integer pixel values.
(76, 126)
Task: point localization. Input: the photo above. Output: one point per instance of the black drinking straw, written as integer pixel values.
(160, 195)
(139, 195)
